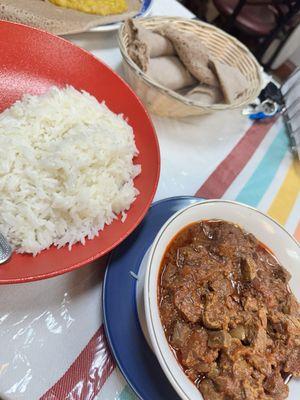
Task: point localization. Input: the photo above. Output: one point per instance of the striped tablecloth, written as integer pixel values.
(52, 344)
(260, 171)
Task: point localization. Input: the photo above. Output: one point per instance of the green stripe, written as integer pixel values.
(127, 394)
(265, 172)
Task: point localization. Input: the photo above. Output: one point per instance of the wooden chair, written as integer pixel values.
(261, 19)
(199, 8)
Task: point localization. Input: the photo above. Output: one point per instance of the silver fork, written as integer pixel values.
(5, 249)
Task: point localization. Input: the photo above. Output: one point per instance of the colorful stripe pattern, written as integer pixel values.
(262, 177)
(218, 182)
(259, 171)
(264, 173)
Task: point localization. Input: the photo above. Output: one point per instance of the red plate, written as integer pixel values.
(30, 62)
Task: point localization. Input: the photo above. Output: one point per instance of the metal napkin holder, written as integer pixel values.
(290, 91)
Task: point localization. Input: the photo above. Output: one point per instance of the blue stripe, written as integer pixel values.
(263, 175)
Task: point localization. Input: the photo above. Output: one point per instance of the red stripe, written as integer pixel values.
(297, 232)
(226, 172)
(88, 373)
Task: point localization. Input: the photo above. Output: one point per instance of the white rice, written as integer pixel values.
(66, 169)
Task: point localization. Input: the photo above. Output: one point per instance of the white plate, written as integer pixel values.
(146, 10)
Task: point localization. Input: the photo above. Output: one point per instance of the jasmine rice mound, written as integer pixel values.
(66, 169)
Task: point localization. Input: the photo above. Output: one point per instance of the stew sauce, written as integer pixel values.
(228, 313)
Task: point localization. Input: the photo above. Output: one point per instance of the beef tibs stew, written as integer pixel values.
(228, 313)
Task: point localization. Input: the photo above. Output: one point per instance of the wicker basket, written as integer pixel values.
(166, 102)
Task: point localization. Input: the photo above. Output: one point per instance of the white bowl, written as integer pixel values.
(265, 229)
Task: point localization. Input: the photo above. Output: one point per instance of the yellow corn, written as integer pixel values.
(101, 7)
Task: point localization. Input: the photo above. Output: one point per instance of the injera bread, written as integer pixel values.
(193, 54)
(232, 82)
(157, 44)
(139, 53)
(170, 72)
(206, 95)
(44, 15)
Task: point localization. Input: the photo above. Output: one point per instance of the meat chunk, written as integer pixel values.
(209, 391)
(199, 368)
(275, 386)
(281, 273)
(226, 384)
(180, 335)
(234, 376)
(168, 314)
(241, 369)
(239, 332)
(291, 306)
(219, 339)
(216, 315)
(188, 301)
(186, 255)
(235, 351)
(169, 275)
(266, 290)
(208, 230)
(222, 287)
(282, 326)
(249, 303)
(232, 241)
(292, 365)
(197, 350)
(256, 336)
(262, 315)
(249, 269)
(260, 363)
(252, 391)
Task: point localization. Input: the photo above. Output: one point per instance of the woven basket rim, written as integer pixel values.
(172, 93)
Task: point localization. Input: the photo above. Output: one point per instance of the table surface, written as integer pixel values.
(52, 344)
